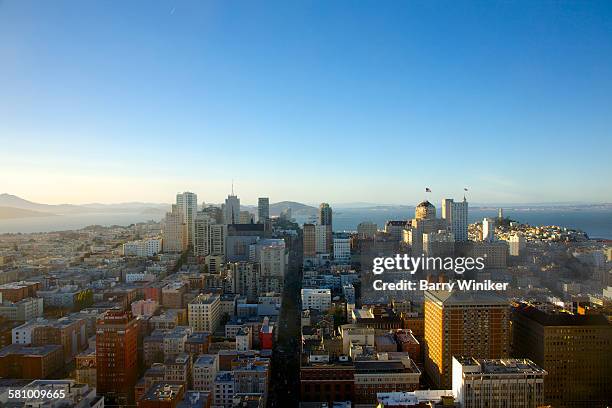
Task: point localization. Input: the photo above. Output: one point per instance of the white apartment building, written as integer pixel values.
(244, 340)
(516, 244)
(517, 383)
(143, 248)
(205, 370)
(223, 390)
(321, 239)
(202, 234)
(204, 312)
(317, 299)
(342, 250)
(25, 309)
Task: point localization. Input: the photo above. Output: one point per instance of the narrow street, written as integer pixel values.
(284, 388)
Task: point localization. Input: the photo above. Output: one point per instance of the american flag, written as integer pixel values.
(427, 190)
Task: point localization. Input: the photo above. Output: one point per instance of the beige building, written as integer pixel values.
(205, 312)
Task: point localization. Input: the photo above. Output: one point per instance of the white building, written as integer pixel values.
(143, 248)
(205, 369)
(187, 205)
(517, 383)
(223, 390)
(516, 245)
(244, 340)
(272, 258)
(23, 310)
(488, 229)
(204, 312)
(321, 239)
(342, 250)
(318, 299)
(23, 334)
(202, 234)
(456, 213)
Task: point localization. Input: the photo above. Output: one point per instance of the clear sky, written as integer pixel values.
(112, 101)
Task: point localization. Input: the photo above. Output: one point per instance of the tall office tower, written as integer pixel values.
(202, 234)
(218, 237)
(231, 214)
(310, 242)
(367, 229)
(204, 312)
(425, 211)
(187, 205)
(500, 214)
(574, 349)
(174, 233)
(474, 324)
(456, 214)
(488, 229)
(509, 382)
(325, 218)
(263, 209)
(116, 356)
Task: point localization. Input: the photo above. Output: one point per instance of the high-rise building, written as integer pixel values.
(310, 245)
(574, 349)
(456, 214)
(202, 234)
(325, 218)
(463, 323)
(205, 312)
(231, 213)
(272, 258)
(175, 232)
(322, 233)
(218, 237)
(342, 250)
(488, 229)
(116, 356)
(246, 217)
(509, 382)
(187, 205)
(263, 209)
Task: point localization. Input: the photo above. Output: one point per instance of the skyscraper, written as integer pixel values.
(456, 214)
(425, 211)
(310, 245)
(116, 356)
(325, 218)
(325, 214)
(574, 349)
(175, 232)
(232, 209)
(263, 209)
(202, 235)
(187, 206)
(474, 324)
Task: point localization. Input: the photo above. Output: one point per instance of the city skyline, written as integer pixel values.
(137, 102)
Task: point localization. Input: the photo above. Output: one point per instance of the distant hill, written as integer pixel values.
(9, 200)
(297, 209)
(7, 213)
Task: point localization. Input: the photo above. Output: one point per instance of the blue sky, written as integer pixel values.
(111, 101)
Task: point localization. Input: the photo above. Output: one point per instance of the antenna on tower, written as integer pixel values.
(232, 186)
